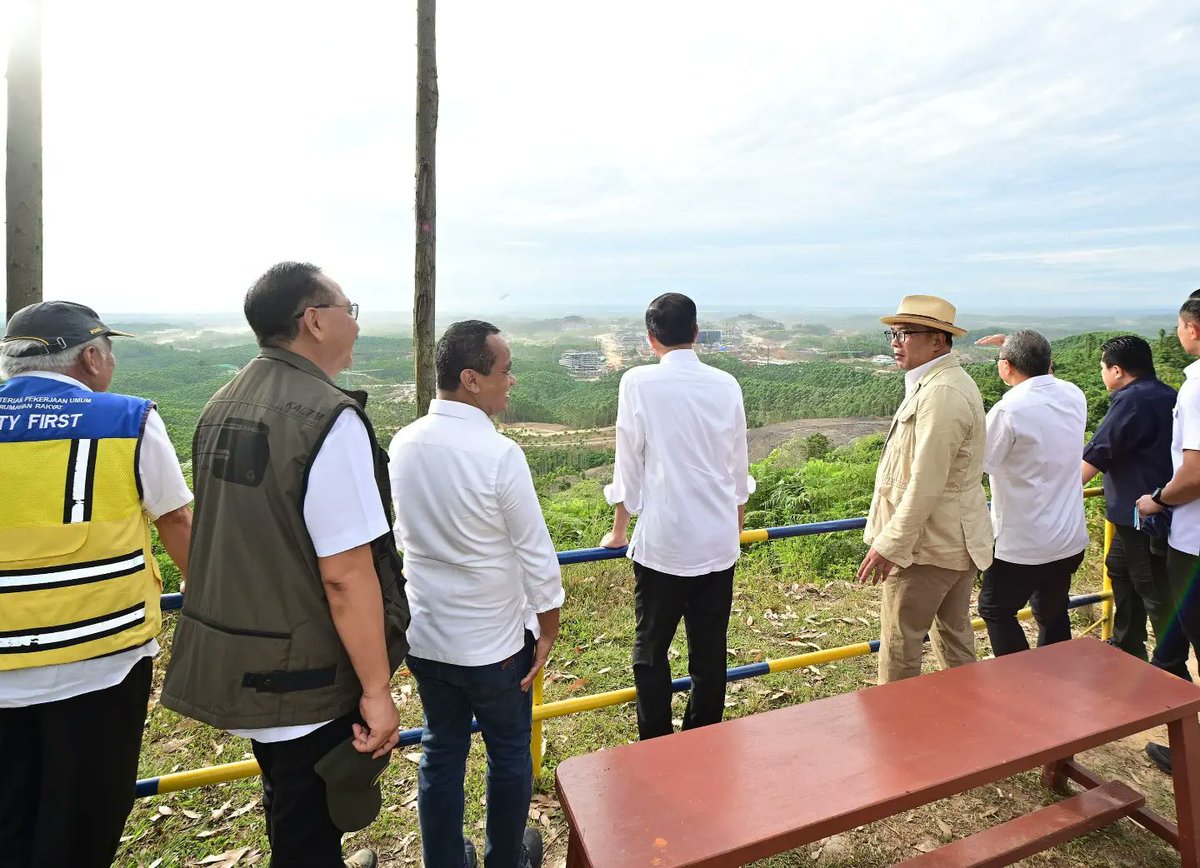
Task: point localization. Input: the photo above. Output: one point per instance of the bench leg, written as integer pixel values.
(1054, 777)
(1185, 763)
(1152, 822)
(575, 857)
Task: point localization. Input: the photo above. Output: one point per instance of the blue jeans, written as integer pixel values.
(450, 695)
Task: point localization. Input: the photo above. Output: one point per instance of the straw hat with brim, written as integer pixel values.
(926, 310)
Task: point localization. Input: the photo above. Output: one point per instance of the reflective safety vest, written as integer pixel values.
(77, 576)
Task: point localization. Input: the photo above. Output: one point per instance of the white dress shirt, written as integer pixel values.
(163, 490)
(1034, 437)
(682, 465)
(342, 511)
(911, 378)
(1185, 519)
(477, 554)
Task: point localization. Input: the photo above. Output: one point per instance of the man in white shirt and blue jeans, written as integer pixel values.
(1033, 438)
(1182, 496)
(682, 467)
(485, 590)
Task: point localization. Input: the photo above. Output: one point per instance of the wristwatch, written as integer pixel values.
(1156, 496)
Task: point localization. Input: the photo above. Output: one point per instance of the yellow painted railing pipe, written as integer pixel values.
(1109, 610)
(535, 739)
(206, 777)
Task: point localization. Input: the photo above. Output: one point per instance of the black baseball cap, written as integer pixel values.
(352, 785)
(56, 326)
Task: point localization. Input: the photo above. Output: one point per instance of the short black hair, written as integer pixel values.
(1131, 353)
(671, 319)
(463, 347)
(1191, 308)
(284, 290)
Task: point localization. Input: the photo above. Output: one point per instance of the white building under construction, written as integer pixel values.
(583, 363)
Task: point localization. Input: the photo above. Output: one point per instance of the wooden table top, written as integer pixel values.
(762, 784)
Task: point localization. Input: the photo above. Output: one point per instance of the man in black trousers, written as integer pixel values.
(1132, 447)
(682, 467)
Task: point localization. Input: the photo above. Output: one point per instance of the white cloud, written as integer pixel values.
(768, 151)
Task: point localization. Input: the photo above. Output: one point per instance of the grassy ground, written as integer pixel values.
(774, 616)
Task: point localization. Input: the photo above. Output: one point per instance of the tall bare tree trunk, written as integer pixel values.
(23, 175)
(426, 261)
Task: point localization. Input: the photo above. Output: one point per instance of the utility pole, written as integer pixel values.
(425, 270)
(23, 172)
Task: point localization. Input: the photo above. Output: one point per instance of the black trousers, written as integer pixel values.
(298, 825)
(661, 600)
(1007, 587)
(1137, 568)
(1183, 572)
(67, 775)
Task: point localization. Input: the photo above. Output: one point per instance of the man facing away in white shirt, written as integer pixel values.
(1181, 495)
(1033, 439)
(681, 467)
(479, 563)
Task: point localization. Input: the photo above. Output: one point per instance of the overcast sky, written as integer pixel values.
(1003, 154)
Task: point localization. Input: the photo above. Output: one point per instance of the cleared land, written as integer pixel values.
(762, 441)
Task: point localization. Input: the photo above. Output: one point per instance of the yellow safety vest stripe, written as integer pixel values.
(77, 575)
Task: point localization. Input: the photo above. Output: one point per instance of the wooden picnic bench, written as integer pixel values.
(745, 789)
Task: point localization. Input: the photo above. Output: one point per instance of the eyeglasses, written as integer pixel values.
(901, 336)
(350, 308)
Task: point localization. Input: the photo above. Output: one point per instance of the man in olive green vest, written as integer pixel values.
(295, 612)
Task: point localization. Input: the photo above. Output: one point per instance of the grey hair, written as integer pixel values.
(1028, 352)
(13, 364)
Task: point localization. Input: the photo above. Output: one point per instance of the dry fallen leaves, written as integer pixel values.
(225, 860)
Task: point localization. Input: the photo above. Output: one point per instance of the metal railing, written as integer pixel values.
(541, 712)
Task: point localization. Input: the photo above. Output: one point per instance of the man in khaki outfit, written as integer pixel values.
(928, 527)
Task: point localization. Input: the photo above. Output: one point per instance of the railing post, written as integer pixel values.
(1108, 608)
(535, 740)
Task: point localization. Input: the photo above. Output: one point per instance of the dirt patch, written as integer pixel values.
(764, 440)
(535, 429)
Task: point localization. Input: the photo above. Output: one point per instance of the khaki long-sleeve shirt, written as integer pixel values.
(929, 505)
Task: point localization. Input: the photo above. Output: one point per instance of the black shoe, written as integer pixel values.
(1160, 755)
(470, 858)
(532, 839)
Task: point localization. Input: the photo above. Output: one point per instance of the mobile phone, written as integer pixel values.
(1137, 519)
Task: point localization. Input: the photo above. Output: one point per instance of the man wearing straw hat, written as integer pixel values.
(928, 529)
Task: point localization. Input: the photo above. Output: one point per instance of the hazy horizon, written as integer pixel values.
(557, 311)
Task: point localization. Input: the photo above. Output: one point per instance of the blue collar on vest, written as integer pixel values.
(38, 408)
